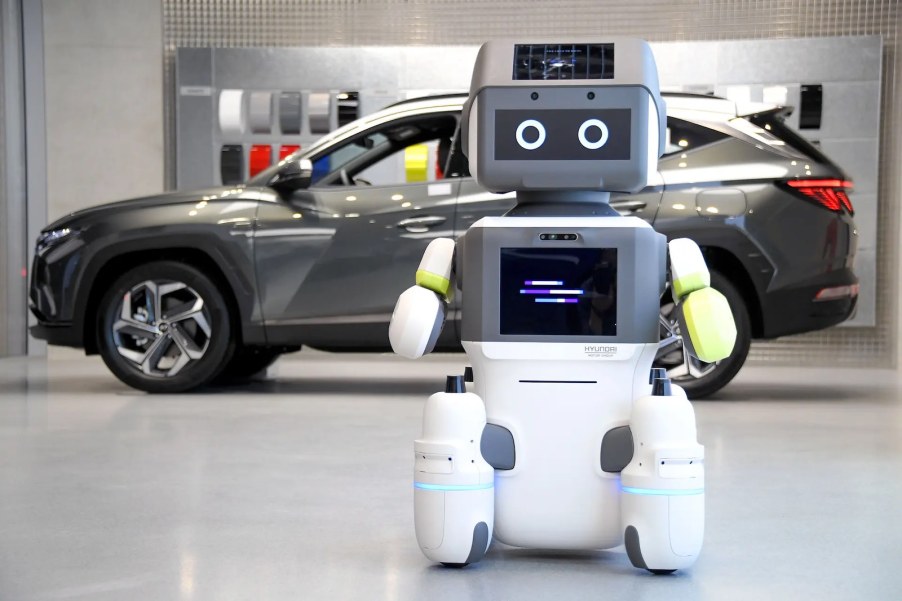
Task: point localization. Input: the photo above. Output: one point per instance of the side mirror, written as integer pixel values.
(293, 176)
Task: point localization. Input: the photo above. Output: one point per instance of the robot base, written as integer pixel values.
(663, 533)
(454, 527)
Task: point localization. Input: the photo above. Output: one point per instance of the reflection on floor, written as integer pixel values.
(299, 487)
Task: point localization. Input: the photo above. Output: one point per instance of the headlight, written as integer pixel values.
(54, 237)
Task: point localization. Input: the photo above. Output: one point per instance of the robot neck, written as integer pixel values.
(557, 203)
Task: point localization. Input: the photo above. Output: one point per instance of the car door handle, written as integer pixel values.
(419, 225)
(628, 206)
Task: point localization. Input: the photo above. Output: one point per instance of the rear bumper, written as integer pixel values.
(794, 310)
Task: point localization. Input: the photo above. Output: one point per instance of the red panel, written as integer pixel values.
(287, 149)
(260, 159)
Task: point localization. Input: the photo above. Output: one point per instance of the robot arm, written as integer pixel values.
(704, 314)
(420, 311)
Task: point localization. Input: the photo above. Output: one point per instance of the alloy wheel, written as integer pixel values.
(162, 327)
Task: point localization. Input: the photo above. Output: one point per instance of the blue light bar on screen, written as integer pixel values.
(550, 291)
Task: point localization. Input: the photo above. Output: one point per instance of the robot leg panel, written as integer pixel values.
(663, 503)
(454, 496)
(454, 526)
(662, 531)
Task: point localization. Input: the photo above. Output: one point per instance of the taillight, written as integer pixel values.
(829, 193)
(837, 292)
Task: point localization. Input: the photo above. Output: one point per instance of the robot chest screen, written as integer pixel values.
(558, 291)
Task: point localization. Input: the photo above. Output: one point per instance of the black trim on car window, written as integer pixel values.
(683, 136)
(773, 122)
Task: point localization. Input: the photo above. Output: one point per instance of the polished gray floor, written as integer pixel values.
(299, 487)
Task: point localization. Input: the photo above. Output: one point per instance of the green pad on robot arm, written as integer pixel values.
(690, 283)
(688, 271)
(436, 267)
(707, 325)
(434, 282)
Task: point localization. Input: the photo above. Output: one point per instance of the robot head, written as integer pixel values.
(545, 116)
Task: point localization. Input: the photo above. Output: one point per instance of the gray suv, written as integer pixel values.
(183, 289)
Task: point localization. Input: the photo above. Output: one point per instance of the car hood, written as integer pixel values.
(157, 200)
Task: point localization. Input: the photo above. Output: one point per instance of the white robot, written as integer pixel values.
(571, 440)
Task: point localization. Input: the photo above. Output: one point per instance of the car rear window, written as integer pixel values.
(684, 135)
(773, 124)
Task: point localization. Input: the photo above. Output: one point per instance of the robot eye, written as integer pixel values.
(530, 124)
(584, 129)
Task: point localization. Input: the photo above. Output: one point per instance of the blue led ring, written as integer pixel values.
(666, 493)
(452, 487)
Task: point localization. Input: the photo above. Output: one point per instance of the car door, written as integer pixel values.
(333, 259)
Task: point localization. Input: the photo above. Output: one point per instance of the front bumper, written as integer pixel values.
(51, 295)
(63, 334)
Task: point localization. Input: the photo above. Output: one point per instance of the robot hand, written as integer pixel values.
(420, 311)
(705, 318)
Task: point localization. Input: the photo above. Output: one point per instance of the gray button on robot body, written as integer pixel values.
(616, 449)
(497, 447)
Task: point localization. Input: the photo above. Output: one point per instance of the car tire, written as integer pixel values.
(247, 362)
(165, 327)
(697, 378)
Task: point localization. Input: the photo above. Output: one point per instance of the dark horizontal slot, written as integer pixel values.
(558, 382)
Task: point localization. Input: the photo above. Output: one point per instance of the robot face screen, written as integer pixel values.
(558, 291)
(562, 135)
(563, 61)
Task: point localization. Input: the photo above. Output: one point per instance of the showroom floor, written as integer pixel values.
(299, 487)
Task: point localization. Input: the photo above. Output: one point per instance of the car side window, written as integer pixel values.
(344, 155)
(404, 151)
(684, 135)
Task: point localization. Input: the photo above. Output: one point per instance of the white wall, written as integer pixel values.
(896, 247)
(4, 351)
(104, 101)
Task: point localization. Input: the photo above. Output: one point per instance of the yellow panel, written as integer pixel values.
(416, 163)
